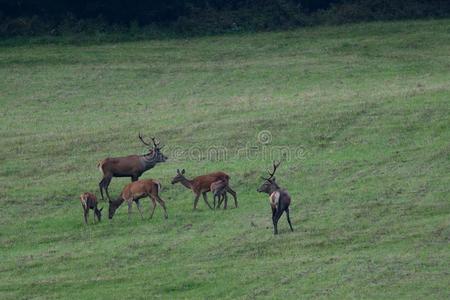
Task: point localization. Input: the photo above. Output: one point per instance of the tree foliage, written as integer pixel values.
(201, 16)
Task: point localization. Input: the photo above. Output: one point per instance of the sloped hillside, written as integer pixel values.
(359, 114)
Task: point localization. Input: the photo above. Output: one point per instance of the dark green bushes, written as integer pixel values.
(193, 17)
(378, 10)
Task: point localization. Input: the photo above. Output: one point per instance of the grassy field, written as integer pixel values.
(362, 113)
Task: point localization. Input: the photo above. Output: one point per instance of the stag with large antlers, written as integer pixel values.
(279, 198)
(201, 185)
(129, 166)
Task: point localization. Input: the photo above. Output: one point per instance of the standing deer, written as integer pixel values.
(89, 201)
(219, 191)
(129, 166)
(279, 198)
(134, 192)
(201, 185)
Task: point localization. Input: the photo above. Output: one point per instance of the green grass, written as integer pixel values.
(363, 112)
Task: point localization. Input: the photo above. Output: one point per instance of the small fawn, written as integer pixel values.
(219, 190)
(89, 201)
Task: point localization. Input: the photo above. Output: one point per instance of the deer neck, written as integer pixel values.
(148, 161)
(186, 182)
(118, 202)
(273, 187)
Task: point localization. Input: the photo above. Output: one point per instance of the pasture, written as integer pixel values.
(360, 111)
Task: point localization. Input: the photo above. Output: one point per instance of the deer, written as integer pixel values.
(219, 190)
(129, 166)
(89, 201)
(201, 185)
(279, 198)
(135, 191)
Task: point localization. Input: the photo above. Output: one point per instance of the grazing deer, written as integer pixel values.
(134, 192)
(279, 198)
(129, 166)
(202, 184)
(89, 201)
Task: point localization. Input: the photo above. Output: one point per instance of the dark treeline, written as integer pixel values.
(33, 17)
(142, 11)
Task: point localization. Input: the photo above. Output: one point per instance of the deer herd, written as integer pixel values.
(133, 166)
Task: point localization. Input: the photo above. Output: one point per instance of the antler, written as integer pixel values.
(142, 140)
(275, 166)
(156, 143)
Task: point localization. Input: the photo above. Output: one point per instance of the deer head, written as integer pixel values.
(269, 184)
(179, 177)
(113, 205)
(98, 213)
(154, 151)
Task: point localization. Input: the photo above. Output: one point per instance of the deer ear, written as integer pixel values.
(178, 171)
(100, 209)
(273, 179)
(183, 171)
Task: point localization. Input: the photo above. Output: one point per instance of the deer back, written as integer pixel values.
(121, 166)
(140, 189)
(203, 183)
(88, 200)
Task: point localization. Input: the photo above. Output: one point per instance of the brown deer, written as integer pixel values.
(129, 166)
(219, 191)
(201, 185)
(279, 198)
(89, 201)
(134, 192)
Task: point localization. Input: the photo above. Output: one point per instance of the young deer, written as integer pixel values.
(136, 191)
(129, 166)
(89, 201)
(201, 185)
(279, 198)
(219, 190)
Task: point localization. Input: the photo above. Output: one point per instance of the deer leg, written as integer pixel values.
(154, 206)
(225, 201)
(100, 185)
(138, 204)
(289, 219)
(275, 219)
(163, 204)
(130, 203)
(222, 197)
(225, 197)
(233, 193)
(95, 209)
(106, 185)
(86, 214)
(197, 196)
(205, 197)
(274, 211)
(219, 200)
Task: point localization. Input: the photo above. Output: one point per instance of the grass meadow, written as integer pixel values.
(360, 115)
